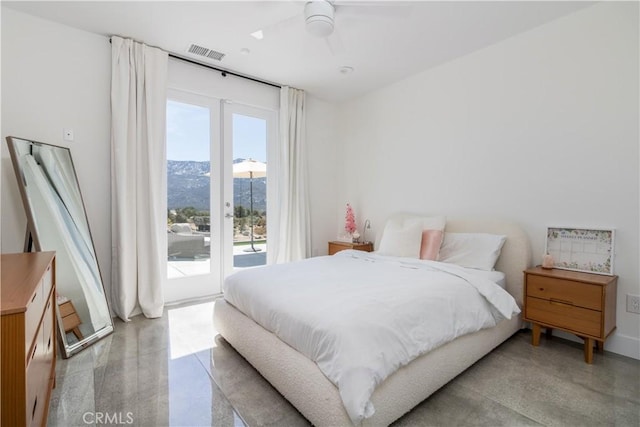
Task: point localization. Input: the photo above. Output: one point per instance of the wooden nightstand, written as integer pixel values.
(341, 246)
(70, 319)
(580, 303)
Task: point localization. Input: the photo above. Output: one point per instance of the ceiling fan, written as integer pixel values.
(320, 18)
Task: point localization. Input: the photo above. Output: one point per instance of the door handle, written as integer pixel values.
(228, 215)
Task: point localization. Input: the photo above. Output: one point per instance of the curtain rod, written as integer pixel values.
(221, 70)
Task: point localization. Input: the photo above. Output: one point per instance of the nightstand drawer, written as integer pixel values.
(575, 293)
(71, 321)
(66, 308)
(557, 314)
(341, 246)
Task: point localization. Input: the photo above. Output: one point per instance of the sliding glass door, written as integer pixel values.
(216, 191)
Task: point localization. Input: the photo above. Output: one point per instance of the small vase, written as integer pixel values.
(355, 236)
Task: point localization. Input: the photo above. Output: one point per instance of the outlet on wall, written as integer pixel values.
(633, 303)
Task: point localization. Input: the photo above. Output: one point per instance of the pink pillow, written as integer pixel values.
(431, 241)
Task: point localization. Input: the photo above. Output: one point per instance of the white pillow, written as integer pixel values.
(401, 240)
(472, 250)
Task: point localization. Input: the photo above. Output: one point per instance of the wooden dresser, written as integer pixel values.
(341, 246)
(27, 337)
(580, 303)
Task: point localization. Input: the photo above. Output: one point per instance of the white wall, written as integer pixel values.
(56, 77)
(541, 129)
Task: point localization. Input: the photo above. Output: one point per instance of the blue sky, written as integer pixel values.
(188, 134)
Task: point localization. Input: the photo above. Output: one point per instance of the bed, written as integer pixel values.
(303, 383)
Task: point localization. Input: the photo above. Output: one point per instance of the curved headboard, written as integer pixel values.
(514, 257)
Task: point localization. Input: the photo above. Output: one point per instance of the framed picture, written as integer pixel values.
(581, 249)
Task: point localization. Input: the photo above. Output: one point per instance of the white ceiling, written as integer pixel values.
(384, 41)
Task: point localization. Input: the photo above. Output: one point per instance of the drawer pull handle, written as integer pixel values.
(34, 297)
(49, 344)
(35, 347)
(559, 301)
(35, 404)
(541, 289)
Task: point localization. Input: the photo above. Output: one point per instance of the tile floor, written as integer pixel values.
(174, 371)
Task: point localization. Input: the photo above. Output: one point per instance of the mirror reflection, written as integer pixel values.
(57, 222)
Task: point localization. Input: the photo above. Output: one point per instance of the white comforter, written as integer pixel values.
(360, 316)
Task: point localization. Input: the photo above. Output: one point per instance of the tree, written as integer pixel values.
(239, 211)
(189, 211)
(179, 218)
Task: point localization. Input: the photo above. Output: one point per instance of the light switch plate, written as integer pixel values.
(67, 134)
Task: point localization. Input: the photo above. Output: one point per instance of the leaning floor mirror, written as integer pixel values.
(57, 221)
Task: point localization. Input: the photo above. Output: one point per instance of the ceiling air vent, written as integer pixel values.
(207, 53)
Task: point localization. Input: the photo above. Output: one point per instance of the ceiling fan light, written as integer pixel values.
(320, 26)
(318, 17)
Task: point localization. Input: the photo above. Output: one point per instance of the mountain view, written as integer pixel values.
(188, 185)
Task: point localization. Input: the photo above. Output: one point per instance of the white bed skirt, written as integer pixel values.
(302, 383)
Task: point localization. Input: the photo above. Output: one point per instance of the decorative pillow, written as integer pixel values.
(472, 250)
(431, 242)
(401, 239)
(432, 235)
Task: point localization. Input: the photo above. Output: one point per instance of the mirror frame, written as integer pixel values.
(31, 236)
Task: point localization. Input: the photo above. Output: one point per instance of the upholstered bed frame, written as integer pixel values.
(300, 381)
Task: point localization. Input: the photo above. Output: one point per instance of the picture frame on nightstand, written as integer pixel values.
(589, 250)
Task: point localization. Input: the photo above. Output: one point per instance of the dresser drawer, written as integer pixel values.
(39, 368)
(36, 377)
(33, 316)
(575, 293)
(49, 333)
(34, 402)
(47, 281)
(576, 319)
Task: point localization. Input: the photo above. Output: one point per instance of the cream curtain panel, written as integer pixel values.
(293, 242)
(138, 181)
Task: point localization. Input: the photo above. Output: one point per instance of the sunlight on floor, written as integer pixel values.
(191, 329)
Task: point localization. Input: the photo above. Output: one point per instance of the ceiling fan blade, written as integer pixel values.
(374, 9)
(335, 45)
(374, 3)
(280, 26)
